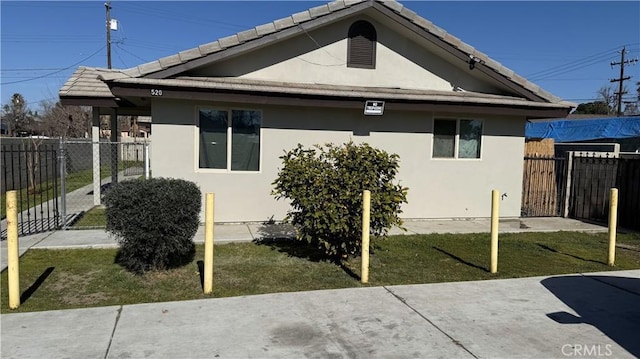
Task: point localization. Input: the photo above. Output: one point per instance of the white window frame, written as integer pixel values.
(199, 169)
(456, 143)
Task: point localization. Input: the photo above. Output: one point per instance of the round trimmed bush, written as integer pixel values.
(154, 221)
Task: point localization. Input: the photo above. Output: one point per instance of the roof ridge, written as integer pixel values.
(310, 14)
(240, 37)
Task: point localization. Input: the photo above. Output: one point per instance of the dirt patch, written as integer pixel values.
(87, 299)
(65, 281)
(67, 285)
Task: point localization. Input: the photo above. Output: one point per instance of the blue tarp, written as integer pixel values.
(584, 130)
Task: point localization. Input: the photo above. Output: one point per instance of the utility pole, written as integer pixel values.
(621, 79)
(107, 5)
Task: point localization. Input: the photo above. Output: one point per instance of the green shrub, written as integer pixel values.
(325, 184)
(154, 221)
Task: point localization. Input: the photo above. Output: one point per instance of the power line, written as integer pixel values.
(55, 72)
(42, 69)
(577, 65)
(606, 55)
(176, 16)
(130, 53)
(581, 60)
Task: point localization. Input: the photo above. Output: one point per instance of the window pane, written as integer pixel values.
(245, 140)
(470, 138)
(444, 137)
(213, 138)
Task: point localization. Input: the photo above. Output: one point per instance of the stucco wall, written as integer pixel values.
(320, 57)
(438, 188)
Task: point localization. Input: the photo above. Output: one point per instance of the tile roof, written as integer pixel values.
(84, 83)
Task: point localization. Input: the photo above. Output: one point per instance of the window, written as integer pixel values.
(229, 139)
(361, 48)
(457, 138)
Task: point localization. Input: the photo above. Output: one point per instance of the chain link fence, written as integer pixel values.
(61, 183)
(110, 162)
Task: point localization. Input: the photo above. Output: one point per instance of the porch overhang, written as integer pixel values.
(243, 91)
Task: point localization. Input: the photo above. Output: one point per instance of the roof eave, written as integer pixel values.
(290, 29)
(345, 98)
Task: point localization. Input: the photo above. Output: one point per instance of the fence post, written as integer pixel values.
(146, 160)
(366, 215)
(13, 254)
(495, 216)
(95, 138)
(567, 186)
(114, 147)
(208, 243)
(613, 223)
(62, 159)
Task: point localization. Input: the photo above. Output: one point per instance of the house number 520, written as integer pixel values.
(156, 92)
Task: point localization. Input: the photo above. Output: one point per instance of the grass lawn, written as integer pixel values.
(45, 191)
(59, 279)
(93, 218)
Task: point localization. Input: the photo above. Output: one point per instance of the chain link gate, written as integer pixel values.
(91, 168)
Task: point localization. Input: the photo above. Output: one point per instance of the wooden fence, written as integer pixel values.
(577, 186)
(543, 188)
(592, 178)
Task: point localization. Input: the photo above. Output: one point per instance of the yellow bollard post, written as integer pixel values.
(495, 216)
(13, 250)
(613, 223)
(366, 215)
(208, 243)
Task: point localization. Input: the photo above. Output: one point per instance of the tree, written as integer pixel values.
(596, 108)
(325, 184)
(607, 95)
(65, 121)
(18, 117)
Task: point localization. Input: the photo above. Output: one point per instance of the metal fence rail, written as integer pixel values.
(61, 182)
(31, 169)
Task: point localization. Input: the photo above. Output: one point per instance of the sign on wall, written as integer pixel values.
(373, 107)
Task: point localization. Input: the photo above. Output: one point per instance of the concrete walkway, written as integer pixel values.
(594, 315)
(78, 202)
(542, 317)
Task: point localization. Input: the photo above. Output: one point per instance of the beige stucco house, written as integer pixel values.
(224, 112)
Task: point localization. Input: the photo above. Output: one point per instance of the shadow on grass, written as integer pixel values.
(567, 254)
(201, 271)
(282, 238)
(295, 248)
(132, 257)
(460, 259)
(304, 250)
(34, 287)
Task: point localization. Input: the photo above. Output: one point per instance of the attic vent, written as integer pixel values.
(361, 50)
